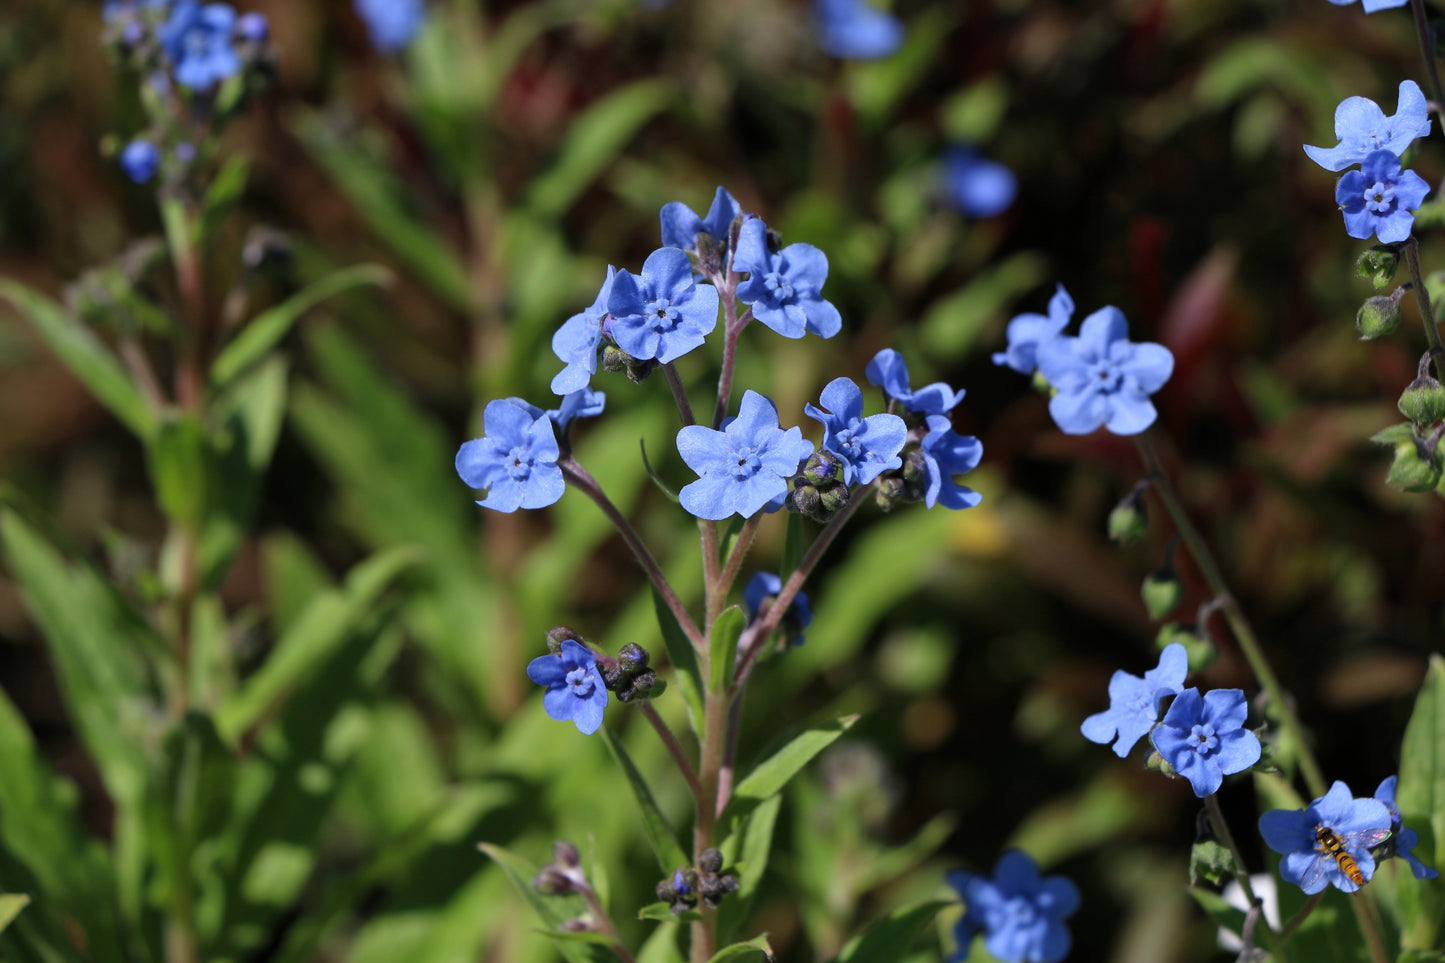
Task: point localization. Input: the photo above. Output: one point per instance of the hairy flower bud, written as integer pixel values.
(1161, 593)
(552, 881)
(710, 860)
(1377, 265)
(1417, 465)
(565, 854)
(560, 634)
(1423, 402)
(632, 658)
(1129, 520)
(1379, 315)
(823, 468)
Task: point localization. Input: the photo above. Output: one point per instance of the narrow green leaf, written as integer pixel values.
(263, 332)
(1420, 794)
(724, 646)
(656, 479)
(85, 355)
(178, 455)
(10, 906)
(662, 913)
(889, 939)
(683, 657)
(773, 773)
(752, 863)
(660, 834)
(897, 860)
(549, 909)
(744, 951)
(225, 190)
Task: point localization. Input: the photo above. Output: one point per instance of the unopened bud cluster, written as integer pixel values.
(820, 490)
(629, 675)
(906, 484)
(707, 882)
(563, 875)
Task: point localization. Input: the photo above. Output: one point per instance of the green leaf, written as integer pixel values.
(179, 458)
(263, 332)
(889, 939)
(751, 864)
(1420, 794)
(662, 913)
(660, 834)
(10, 906)
(744, 951)
(85, 355)
(225, 190)
(792, 545)
(724, 646)
(954, 324)
(548, 909)
(683, 657)
(656, 478)
(773, 773)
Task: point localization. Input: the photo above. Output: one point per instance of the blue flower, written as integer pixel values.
(1020, 914)
(852, 30)
(253, 28)
(1403, 840)
(1204, 739)
(1357, 824)
(681, 225)
(1363, 128)
(515, 460)
(197, 41)
(868, 446)
(764, 587)
(1371, 6)
(577, 342)
(582, 403)
(1103, 379)
(1027, 331)
(391, 23)
(784, 288)
(1378, 198)
(1134, 702)
(889, 371)
(945, 454)
(743, 467)
(140, 160)
(663, 314)
(976, 185)
(575, 689)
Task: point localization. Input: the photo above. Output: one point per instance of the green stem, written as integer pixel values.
(674, 748)
(704, 831)
(739, 552)
(1370, 929)
(1298, 918)
(1422, 300)
(679, 393)
(1221, 830)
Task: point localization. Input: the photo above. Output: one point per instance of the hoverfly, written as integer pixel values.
(1332, 846)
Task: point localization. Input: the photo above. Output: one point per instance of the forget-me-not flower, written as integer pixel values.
(1134, 702)
(579, 340)
(1372, 5)
(197, 40)
(662, 313)
(976, 185)
(253, 27)
(1101, 378)
(1402, 840)
(947, 453)
(1363, 128)
(515, 460)
(743, 467)
(853, 30)
(582, 403)
(868, 446)
(681, 225)
(391, 23)
(1027, 331)
(889, 371)
(1020, 913)
(1357, 824)
(575, 689)
(140, 160)
(765, 585)
(1378, 198)
(1203, 737)
(785, 289)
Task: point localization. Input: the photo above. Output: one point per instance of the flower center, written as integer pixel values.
(746, 462)
(662, 314)
(581, 682)
(1106, 376)
(1019, 911)
(1204, 739)
(1380, 198)
(519, 463)
(778, 286)
(849, 441)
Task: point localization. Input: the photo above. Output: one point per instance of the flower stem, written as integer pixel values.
(1298, 918)
(1233, 615)
(1221, 830)
(730, 750)
(1422, 300)
(679, 393)
(674, 748)
(739, 552)
(1432, 73)
(1370, 929)
(714, 734)
(604, 923)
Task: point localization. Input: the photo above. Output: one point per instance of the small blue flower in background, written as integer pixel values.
(681, 225)
(947, 453)
(852, 30)
(784, 289)
(515, 460)
(1101, 378)
(1363, 128)
(391, 23)
(766, 585)
(253, 28)
(868, 446)
(1020, 913)
(582, 403)
(575, 689)
(1378, 198)
(1134, 702)
(976, 185)
(1372, 5)
(662, 314)
(1357, 823)
(197, 41)
(140, 160)
(1404, 840)
(1027, 331)
(577, 342)
(889, 371)
(743, 467)
(1203, 738)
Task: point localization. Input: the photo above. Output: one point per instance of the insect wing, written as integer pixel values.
(1364, 839)
(1314, 872)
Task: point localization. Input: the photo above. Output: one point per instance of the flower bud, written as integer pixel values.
(581, 924)
(632, 658)
(1377, 265)
(1423, 402)
(614, 359)
(832, 499)
(710, 255)
(890, 491)
(823, 468)
(1416, 467)
(710, 860)
(804, 500)
(561, 634)
(1129, 520)
(565, 854)
(552, 881)
(1161, 593)
(1200, 651)
(1379, 315)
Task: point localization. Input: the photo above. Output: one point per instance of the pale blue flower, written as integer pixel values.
(1403, 840)
(1203, 738)
(784, 289)
(1134, 702)
(1363, 128)
(946, 454)
(681, 225)
(868, 446)
(391, 23)
(853, 30)
(663, 313)
(1101, 379)
(1020, 913)
(515, 461)
(1378, 198)
(743, 467)
(579, 340)
(197, 40)
(575, 690)
(1027, 331)
(889, 371)
(1357, 824)
(976, 185)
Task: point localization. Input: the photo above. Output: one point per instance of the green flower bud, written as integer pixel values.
(832, 499)
(1377, 265)
(1161, 593)
(1416, 467)
(1129, 520)
(1423, 402)
(1379, 315)
(823, 468)
(890, 490)
(1200, 651)
(804, 500)
(710, 255)
(614, 359)
(1210, 860)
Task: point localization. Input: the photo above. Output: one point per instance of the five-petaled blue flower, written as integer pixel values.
(868, 446)
(889, 371)
(197, 41)
(140, 160)
(764, 586)
(578, 341)
(575, 689)
(681, 225)
(1020, 914)
(1363, 128)
(743, 467)
(1134, 702)
(582, 403)
(1297, 835)
(947, 453)
(1101, 378)
(1378, 198)
(784, 289)
(1027, 331)
(391, 23)
(852, 30)
(1402, 840)
(662, 314)
(976, 185)
(1203, 737)
(1372, 5)
(516, 458)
